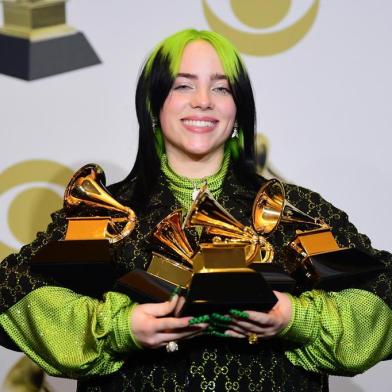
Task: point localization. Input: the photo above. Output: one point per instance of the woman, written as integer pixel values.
(196, 113)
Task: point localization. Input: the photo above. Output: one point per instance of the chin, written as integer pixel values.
(198, 152)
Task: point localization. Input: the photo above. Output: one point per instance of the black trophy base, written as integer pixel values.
(277, 278)
(143, 287)
(29, 60)
(337, 270)
(221, 291)
(84, 266)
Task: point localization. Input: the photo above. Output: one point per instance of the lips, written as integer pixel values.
(204, 124)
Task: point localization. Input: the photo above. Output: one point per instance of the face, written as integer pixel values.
(198, 115)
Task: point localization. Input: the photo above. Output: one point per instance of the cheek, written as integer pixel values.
(171, 110)
(229, 109)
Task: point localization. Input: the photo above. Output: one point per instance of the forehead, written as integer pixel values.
(200, 57)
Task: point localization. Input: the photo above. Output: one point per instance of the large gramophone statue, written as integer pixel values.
(314, 258)
(82, 261)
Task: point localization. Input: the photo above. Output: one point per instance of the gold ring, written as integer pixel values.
(253, 338)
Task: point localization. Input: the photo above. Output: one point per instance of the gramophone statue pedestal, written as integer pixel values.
(36, 41)
(84, 266)
(222, 281)
(322, 264)
(82, 261)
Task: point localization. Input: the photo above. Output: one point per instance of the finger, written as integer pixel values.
(238, 329)
(234, 334)
(260, 318)
(170, 323)
(162, 308)
(267, 332)
(179, 306)
(246, 326)
(165, 338)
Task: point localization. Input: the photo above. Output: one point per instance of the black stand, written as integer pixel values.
(208, 292)
(221, 291)
(84, 266)
(332, 271)
(29, 60)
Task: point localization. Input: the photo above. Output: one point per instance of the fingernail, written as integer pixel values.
(239, 313)
(175, 291)
(173, 297)
(199, 320)
(220, 317)
(213, 332)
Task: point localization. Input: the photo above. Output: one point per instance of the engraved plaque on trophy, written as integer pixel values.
(36, 41)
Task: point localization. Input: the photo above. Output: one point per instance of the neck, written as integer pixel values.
(195, 166)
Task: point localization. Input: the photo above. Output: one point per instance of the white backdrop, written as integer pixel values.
(324, 104)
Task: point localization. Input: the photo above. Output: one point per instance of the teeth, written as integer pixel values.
(198, 123)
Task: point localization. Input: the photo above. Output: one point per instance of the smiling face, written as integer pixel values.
(199, 112)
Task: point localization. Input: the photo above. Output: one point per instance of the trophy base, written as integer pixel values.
(277, 278)
(29, 60)
(336, 270)
(221, 291)
(143, 287)
(84, 266)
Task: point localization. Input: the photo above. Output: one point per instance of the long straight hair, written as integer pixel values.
(154, 84)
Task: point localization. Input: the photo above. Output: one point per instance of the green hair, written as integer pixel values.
(172, 49)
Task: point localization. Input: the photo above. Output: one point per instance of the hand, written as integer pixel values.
(264, 325)
(152, 326)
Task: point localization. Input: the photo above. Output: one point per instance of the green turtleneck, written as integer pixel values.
(183, 187)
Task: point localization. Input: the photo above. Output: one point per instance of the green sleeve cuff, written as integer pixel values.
(301, 328)
(124, 328)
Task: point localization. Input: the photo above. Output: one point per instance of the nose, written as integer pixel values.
(201, 99)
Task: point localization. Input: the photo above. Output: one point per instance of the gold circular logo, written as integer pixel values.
(35, 188)
(262, 14)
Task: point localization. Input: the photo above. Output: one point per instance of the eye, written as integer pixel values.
(222, 90)
(181, 87)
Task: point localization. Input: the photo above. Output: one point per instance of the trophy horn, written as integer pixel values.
(87, 187)
(209, 214)
(170, 232)
(271, 207)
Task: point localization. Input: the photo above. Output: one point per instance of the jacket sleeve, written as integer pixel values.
(16, 278)
(341, 333)
(72, 335)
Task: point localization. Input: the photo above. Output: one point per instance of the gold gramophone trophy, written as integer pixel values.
(82, 260)
(36, 41)
(164, 274)
(315, 259)
(222, 278)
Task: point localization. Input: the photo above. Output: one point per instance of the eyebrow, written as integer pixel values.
(193, 76)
